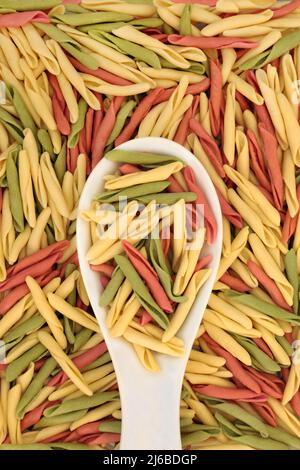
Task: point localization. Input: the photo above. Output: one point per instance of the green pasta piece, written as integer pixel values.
(133, 192)
(73, 8)
(50, 236)
(79, 124)
(60, 165)
(110, 426)
(7, 346)
(72, 228)
(285, 345)
(27, 5)
(168, 198)
(81, 338)
(167, 29)
(33, 323)
(257, 442)
(141, 291)
(13, 125)
(24, 115)
(281, 47)
(15, 199)
(68, 330)
(25, 447)
(261, 359)
(290, 261)
(280, 435)
(91, 18)
(242, 415)
(15, 368)
(82, 403)
(261, 306)
(61, 419)
(185, 26)
(69, 44)
(46, 142)
(185, 422)
(69, 446)
(139, 158)
(227, 424)
(104, 359)
(161, 267)
(120, 120)
(112, 288)
(194, 438)
(130, 48)
(35, 386)
(213, 430)
(141, 23)
(96, 28)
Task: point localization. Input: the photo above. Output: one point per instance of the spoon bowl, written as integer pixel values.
(150, 401)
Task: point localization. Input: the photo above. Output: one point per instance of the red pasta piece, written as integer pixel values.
(289, 227)
(261, 110)
(82, 142)
(193, 89)
(174, 186)
(286, 9)
(165, 239)
(216, 96)
(104, 280)
(17, 20)
(105, 129)
(104, 268)
(267, 414)
(236, 394)
(263, 346)
(99, 73)
(242, 101)
(209, 218)
(33, 416)
(89, 129)
(266, 383)
(72, 157)
(228, 211)
(234, 366)
(62, 122)
(183, 128)
(16, 294)
(209, 145)
(138, 115)
(211, 43)
(59, 437)
(104, 438)
(145, 318)
(203, 263)
(72, 436)
(234, 283)
(269, 285)
(128, 168)
(146, 271)
(257, 160)
(89, 428)
(273, 165)
(28, 261)
(81, 361)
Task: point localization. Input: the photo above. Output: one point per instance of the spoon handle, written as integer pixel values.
(150, 413)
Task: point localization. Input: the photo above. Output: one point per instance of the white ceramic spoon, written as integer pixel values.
(150, 401)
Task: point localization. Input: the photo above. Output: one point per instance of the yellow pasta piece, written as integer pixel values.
(227, 324)
(13, 423)
(286, 418)
(229, 124)
(263, 44)
(64, 361)
(228, 343)
(12, 55)
(131, 34)
(145, 340)
(233, 22)
(182, 310)
(271, 103)
(72, 75)
(288, 171)
(73, 313)
(291, 126)
(210, 360)
(243, 272)
(219, 305)
(127, 314)
(195, 367)
(14, 314)
(245, 88)
(24, 379)
(39, 46)
(149, 176)
(46, 311)
(271, 268)
(146, 358)
(120, 6)
(202, 379)
(96, 414)
(289, 76)
(237, 246)
(54, 190)
(22, 43)
(236, 6)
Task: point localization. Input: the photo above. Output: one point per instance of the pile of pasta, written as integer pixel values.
(147, 238)
(220, 77)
